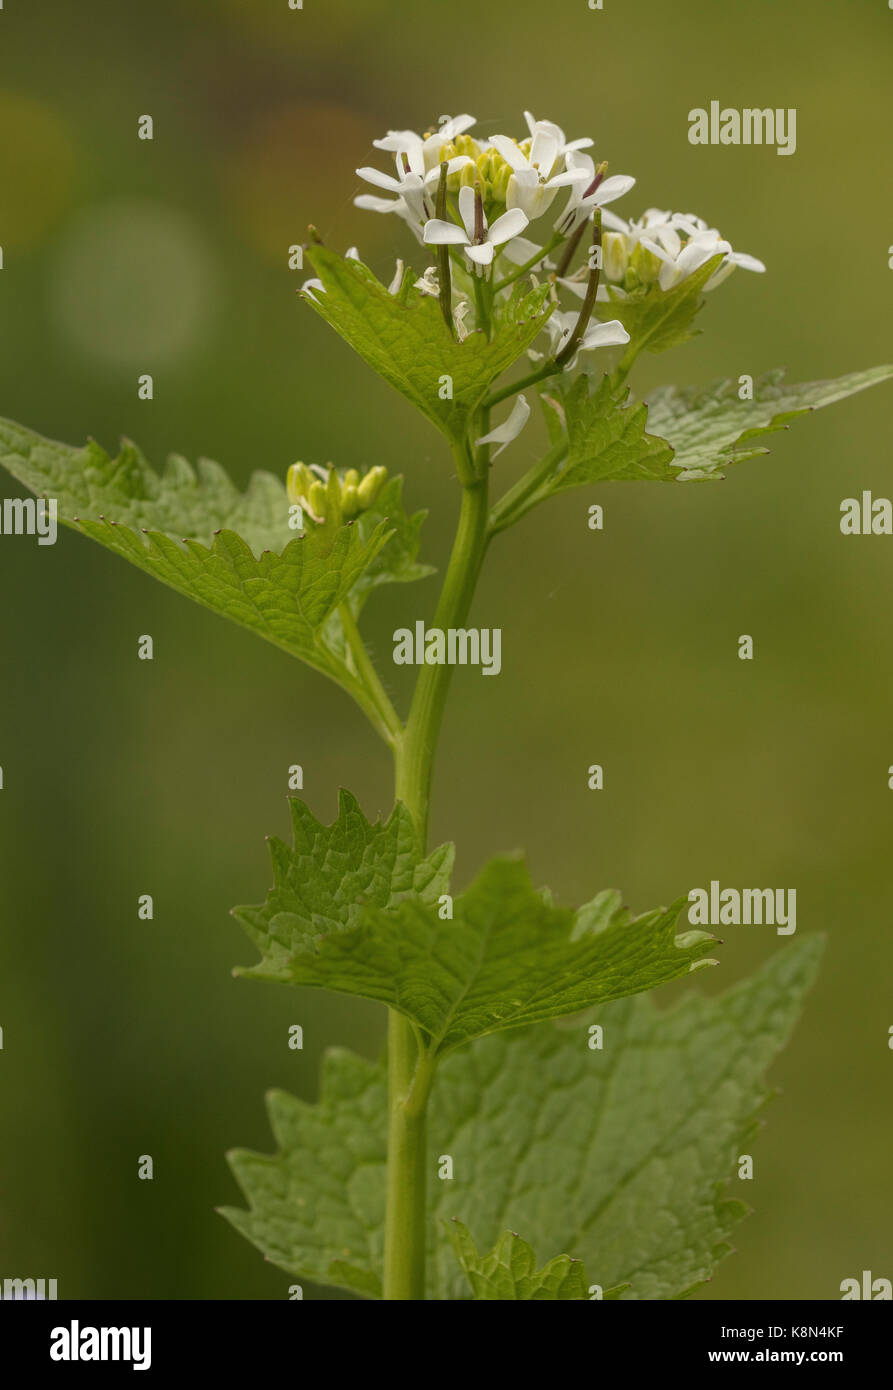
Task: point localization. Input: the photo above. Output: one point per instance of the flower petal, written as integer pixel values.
(438, 233)
(608, 334)
(612, 188)
(510, 428)
(372, 204)
(379, 179)
(746, 262)
(509, 225)
(482, 254)
(466, 208)
(510, 152)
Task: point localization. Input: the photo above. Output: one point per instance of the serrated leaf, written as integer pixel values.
(232, 552)
(657, 319)
(408, 343)
(621, 1157)
(709, 426)
(331, 875)
(180, 501)
(397, 561)
(506, 958)
(317, 1206)
(607, 441)
(509, 1271)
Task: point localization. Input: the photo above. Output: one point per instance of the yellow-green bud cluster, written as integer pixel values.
(337, 497)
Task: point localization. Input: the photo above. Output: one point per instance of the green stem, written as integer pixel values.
(519, 499)
(548, 369)
(410, 1066)
(378, 705)
(529, 265)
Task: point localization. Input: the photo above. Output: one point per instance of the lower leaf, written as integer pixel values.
(619, 1155)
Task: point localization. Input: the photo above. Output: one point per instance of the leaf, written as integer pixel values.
(509, 1271)
(619, 1157)
(657, 319)
(397, 561)
(239, 557)
(317, 1206)
(709, 426)
(607, 440)
(506, 958)
(331, 875)
(409, 344)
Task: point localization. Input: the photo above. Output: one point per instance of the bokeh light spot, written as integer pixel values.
(133, 283)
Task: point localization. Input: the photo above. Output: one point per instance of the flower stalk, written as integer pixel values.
(595, 260)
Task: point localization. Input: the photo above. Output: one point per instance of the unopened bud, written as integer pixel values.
(615, 256)
(298, 482)
(645, 264)
(371, 486)
(316, 498)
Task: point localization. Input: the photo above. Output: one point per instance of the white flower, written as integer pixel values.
(510, 429)
(589, 192)
(537, 177)
(680, 244)
(415, 192)
(555, 130)
(422, 153)
(480, 243)
(561, 325)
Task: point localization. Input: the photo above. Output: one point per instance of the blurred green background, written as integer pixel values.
(124, 777)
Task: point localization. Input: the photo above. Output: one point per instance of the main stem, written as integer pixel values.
(409, 1069)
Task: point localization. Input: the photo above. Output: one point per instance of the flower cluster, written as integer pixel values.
(472, 200)
(324, 494)
(666, 247)
(522, 177)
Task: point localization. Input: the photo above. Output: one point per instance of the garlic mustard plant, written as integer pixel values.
(528, 1086)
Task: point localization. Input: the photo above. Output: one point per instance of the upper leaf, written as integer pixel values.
(331, 874)
(505, 958)
(231, 551)
(709, 426)
(407, 342)
(657, 319)
(619, 1156)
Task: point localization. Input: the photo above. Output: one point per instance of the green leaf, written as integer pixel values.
(317, 1205)
(182, 501)
(326, 880)
(509, 1271)
(709, 426)
(657, 319)
(620, 1157)
(408, 343)
(606, 439)
(506, 958)
(230, 551)
(397, 561)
